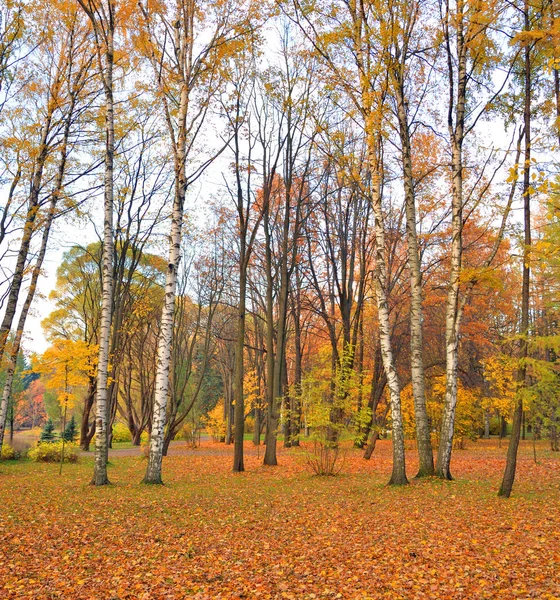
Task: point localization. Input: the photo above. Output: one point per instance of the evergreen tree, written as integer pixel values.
(47, 435)
(70, 431)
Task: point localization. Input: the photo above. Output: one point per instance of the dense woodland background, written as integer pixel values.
(321, 222)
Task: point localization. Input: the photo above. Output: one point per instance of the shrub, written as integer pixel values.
(121, 433)
(8, 453)
(325, 458)
(51, 451)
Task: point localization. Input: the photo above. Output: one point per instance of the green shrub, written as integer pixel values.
(8, 453)
(50, 452)
(121, 433)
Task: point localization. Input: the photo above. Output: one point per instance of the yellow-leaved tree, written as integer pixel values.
(65, 368)
(215, 422)
(468, 415)
(499, 373)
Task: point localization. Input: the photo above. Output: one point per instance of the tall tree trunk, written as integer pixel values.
(271, 410)
(161, 394)
(279, 365)
(511, 461)
(30, 220)
(398, 476)
(239, 410)
(456, 122)
(423, 440)
(57, 189)
(25, 311)
(101, 446)
(298, 359)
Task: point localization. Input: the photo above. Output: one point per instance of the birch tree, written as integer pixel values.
(467, 51)
(404, 42)
(103, 16)
(185, 46)
(354, 40)
(71, 75)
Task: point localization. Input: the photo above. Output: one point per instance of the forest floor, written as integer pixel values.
(281, 532)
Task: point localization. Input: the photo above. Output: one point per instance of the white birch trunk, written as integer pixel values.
(163, 363)
(102, 400)
(161, 393)
(398, 476)
(7, 392)
(452, 323)
(423, 440)
(456, 126)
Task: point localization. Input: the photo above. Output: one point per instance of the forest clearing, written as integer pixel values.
(281, 532)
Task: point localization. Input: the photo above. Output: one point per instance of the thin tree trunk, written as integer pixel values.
(511, 461)
(486, 424)
(296, 421)
(101, 446)
(239, 410)
(271, 373)
(32, 210)
(23, 315)
(257, 429)
(36, 271)
(279, 366)
(456, 120)
(87, 431)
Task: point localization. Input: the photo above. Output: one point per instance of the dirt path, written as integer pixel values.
(181, 448)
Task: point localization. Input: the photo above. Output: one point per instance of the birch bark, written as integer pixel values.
(423, 440)
(456, 126)
(153, 471)
(44, 149)
(102, 17)
(7, 391)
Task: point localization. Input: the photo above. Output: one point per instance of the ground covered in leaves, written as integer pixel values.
(280, 532)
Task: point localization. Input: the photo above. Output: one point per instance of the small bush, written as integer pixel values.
(9, 453)
(121, 433)
(51, 451)
(190, 434)
(325, 458)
